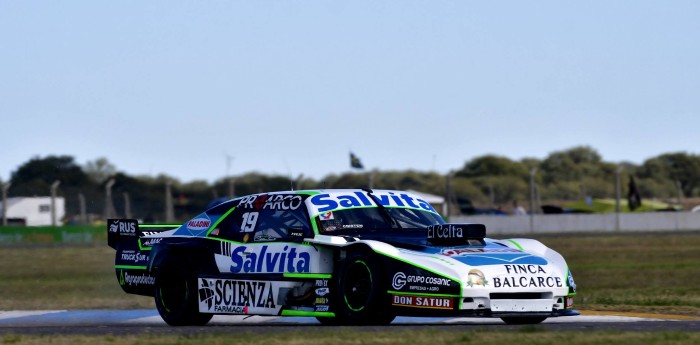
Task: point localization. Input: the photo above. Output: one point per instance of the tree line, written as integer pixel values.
(485, 181)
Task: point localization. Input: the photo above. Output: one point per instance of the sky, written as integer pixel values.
(199, 90)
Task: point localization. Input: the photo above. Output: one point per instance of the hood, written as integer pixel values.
(491, 253)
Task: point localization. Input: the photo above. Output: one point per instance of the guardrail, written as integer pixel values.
(550, 223)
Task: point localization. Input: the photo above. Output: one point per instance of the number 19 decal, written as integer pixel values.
(249, 221)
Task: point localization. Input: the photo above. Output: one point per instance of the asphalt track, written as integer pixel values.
(121, 322)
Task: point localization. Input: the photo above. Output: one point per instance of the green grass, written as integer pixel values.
(62, 277)
(608, 206)
(652, 272)
(644, 273)
(526, 335)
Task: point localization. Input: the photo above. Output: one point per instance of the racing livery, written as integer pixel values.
(346, 256)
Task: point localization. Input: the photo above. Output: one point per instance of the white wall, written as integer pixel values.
(30, 209)
(585, 222)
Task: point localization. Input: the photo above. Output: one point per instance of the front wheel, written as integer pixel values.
(523, 320)
(360, 295)
(176, 296)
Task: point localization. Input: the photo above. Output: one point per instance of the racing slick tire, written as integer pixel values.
(176, 296)
(523, 320)
(359, 295)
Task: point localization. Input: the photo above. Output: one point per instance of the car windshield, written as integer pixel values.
(371, 219)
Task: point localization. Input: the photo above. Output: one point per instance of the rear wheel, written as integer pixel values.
(176, 296)
(359, 295)
(523, 320)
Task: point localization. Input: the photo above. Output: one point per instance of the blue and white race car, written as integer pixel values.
(346, 256)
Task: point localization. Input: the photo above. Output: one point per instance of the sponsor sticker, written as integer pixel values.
(429, 302)
(320, 292)
(136, 279)
(322, 308)
(526, 276)
(468, 251)
(476, 278)
(323, 203)
(133, 256)
(202, 222)
(124, 227)
(399, 281)
(267, 259)
(271, 202)
(418, 282)
(445, 231)
(234, 296)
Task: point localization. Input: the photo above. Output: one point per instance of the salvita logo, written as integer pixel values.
(262, 259)
(323, 203)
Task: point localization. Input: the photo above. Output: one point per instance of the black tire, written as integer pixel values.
(359, 293)
(176, 296)
(523, 320)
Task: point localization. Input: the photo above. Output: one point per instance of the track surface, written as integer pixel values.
(119, 322)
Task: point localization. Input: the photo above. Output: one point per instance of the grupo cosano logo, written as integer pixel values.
(399, 281)
(418, 282)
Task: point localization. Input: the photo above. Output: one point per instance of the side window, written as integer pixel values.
(232, 227)
(266, 218)
(282, 225)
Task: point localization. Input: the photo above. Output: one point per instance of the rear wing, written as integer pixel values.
(128, 230)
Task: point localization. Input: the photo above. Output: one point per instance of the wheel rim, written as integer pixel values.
(357, 286)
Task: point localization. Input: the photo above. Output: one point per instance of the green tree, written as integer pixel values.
(572, 165)
(100, 169)
(492, 165)
(678, 166)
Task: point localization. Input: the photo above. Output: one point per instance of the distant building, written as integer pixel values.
(33, 211)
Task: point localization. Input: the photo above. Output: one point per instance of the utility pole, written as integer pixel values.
(169, 209)
(231, 187)
(448, 196)
(533, 171)
(54, 186)
(127, 206)
(679, 194)
(83, 209)
(109, 204)
(618, 195)
(5, 187)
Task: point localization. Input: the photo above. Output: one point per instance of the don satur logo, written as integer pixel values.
(399, 281)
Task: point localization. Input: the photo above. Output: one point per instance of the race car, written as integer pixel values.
(344, 256)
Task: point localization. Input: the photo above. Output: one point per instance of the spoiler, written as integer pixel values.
(120, 230)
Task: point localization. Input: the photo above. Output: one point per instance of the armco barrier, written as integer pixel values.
(609, 222)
